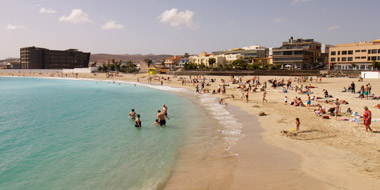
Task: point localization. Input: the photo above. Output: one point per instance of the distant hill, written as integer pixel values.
(127, 57)
(10, 60)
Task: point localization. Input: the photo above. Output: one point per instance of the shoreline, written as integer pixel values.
(332, 160)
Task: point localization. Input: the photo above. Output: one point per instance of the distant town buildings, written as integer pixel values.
(183, 61)
(10, 64)
(355, 56)
(245, 53)
(300, 53)
(293, 54)
(171, 62)
(42, 58)
(204, 58)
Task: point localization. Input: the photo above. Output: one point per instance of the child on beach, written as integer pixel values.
(286, 100)
(156, 122)
(297, 124)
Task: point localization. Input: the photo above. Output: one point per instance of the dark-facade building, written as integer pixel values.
(300, 53)
(42, 58)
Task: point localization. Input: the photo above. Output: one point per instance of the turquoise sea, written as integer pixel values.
(65, 134)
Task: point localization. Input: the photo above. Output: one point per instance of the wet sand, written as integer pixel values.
(262, 166)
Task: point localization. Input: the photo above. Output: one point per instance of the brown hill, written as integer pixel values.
(127, 57)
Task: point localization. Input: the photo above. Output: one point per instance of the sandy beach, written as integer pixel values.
(325, 154)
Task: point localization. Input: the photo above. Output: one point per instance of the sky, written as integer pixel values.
(179, 26)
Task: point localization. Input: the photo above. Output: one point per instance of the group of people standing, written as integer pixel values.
(160, 120)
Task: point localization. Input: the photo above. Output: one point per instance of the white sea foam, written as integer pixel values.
(231, 128)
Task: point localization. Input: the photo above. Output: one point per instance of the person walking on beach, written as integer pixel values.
(132, 114)
(366, 91)
(197, 89)
(367, 116)
(369, 88)
(264, 95)
(161, 116)
(308, 103)
(298, 124)
(138, 121)
(353, 87)
(337, 104)
(246, 95)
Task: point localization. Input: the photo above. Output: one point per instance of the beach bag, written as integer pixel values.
(325, 117)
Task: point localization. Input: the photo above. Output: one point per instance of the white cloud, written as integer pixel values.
(48, 11)
(300, 1)
(335, 27)
(76, 16)
(175, 18)
(14, 27)
(279, 19)
(112, 25)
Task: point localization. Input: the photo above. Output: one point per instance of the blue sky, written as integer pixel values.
(178, 26)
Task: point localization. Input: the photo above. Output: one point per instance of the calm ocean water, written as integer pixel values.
(62, 134)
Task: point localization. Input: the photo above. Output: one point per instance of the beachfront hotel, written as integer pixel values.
(246, 53)
(300, 53)
(42, 58)
(204, 58)
(355, 56)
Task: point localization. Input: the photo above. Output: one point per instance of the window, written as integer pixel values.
(373, 58)
(338, 52)
(344, 52)
(363, 50)
(378, 58)
(344, 58)
(350, 52)
(338, 58)
(333, 53)
(378, 51)
(374, 51)
(369, 51)
(288, 53)
(333, 59)
(350, 59)
(357, 57)
(362, 58)
(368, 58)
(357, 51)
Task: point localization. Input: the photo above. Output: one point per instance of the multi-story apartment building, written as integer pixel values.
(42, 58)
(355, 56)
(300, 53)
(204, 58)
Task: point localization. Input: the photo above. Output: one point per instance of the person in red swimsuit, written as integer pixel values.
(367, 116)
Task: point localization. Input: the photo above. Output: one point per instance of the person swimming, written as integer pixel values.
(132, 114)
(138, 121)
(161, 117)
(165, 110)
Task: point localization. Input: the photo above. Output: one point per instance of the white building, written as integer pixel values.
(232, 57)
(204, 58)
